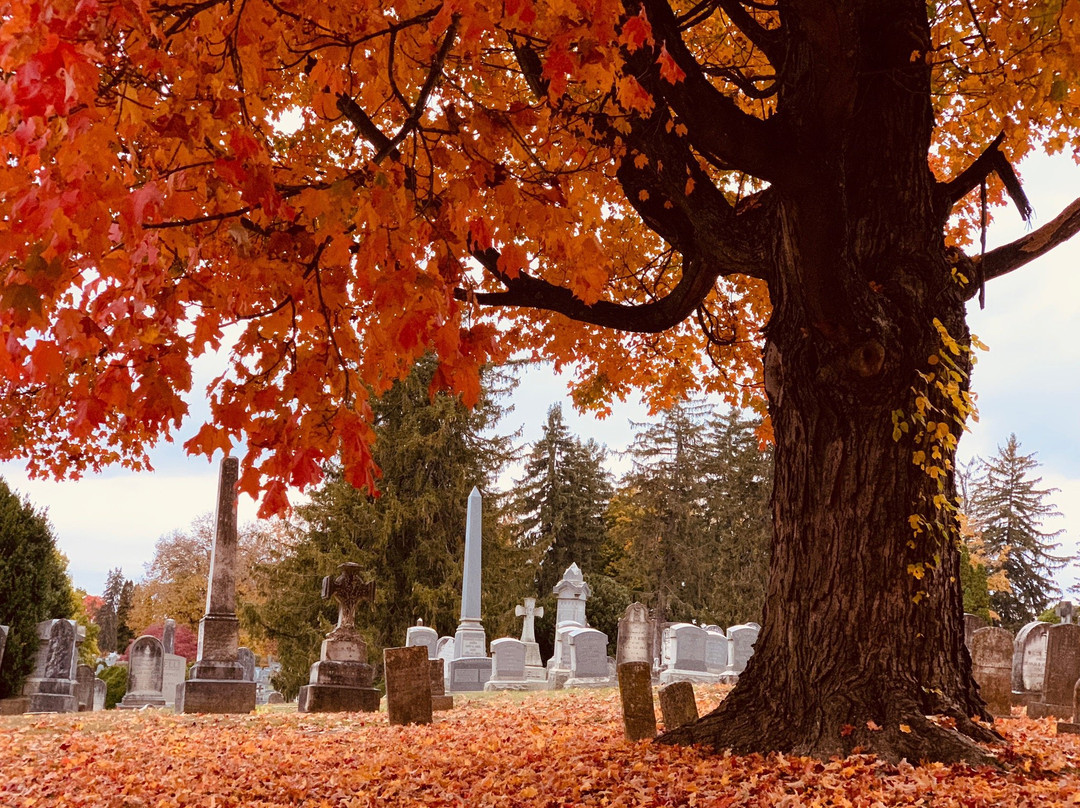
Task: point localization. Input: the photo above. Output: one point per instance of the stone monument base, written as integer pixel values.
(1039, 709)
(16, 705)
(669, 675)
(1024, 699)
(51, 696)
(136, 701)
(1068, 728)
(515, 684)
(215, 696)
(589, 681)
(469, 674)
(337, 699)
(442, 703)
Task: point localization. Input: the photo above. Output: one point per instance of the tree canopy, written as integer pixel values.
(632, 188)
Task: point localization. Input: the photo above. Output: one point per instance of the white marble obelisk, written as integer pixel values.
(471, 667)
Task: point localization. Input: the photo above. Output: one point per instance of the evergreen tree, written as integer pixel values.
(106, 616)
(432, 451)
(1007, 509)
(34, 585)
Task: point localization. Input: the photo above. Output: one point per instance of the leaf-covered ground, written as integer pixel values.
(552, 749)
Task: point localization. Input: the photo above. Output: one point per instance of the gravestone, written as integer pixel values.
(168, 636)
(51, 687)
(84, 688)
(1029, 663)
(742, 645)
(341, 681)
(408, 685)
(636, 632)
(439, 699)
(422, 635)
(216, 684)
(507, 665)
(273, 697)
(471, 666)
(635, 693)
(1065, 611)
(684, 654)
(529, 611)
(101, 690)
(146, 665)
(588, 659)
(1062, 672)
(991, 665)
(677, 705)
(445, 651)
(246, 658)
(717, 645)
(972, 623)
(173, 673)
(1072, 727)
(571, 594)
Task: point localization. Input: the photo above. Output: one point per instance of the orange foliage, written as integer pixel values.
(563, 749)
(311, 186)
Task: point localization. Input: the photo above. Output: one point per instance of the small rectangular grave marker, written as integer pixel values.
(408, 685)
(677, 705)
(635, 691)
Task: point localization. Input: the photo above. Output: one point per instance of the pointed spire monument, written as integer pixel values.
(471, 667)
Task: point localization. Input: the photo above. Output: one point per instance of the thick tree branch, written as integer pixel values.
(1014, 255)
(717, 127)
(768, 40)
(991, 161)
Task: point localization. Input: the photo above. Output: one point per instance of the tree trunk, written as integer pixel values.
(862, 633)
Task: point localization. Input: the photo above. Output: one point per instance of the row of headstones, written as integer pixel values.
(58, 682)
(1039, 668)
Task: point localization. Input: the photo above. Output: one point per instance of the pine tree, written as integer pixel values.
(1007, 509)
(34, 585)
(432, 451)
(106, 616)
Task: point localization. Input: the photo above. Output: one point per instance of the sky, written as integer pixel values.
(1028, 383)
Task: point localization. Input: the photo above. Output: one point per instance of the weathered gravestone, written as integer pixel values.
(717, 645)
(1065, 611)
(683, 654)
(246, 658)
(677, 705)
(636, 633)
(51, 688)
(146, 665)
(635, 693)
(1062, 672)
(1072, 727)
(422, 635)
(588, 659)
(972, 623)
(507, 665)
(341, 681)
(439, 699)
(273, 697)
(173, 666)
(534, 665)
(101, 691)
(742, 645)
(216, 684)
(168, 636)
(408, 685)
(991, 665)
(571, 594)
(1029, 663)
(84, 688)
(445, 652)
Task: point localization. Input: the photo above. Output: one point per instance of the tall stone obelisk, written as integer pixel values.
(216, 681)
(471, 666)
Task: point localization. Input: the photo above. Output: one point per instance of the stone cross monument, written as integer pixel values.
(471, 666)
(530, 611)
(216, 683)
(341, 680)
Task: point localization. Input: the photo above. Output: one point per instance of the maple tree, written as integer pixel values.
(629, 187)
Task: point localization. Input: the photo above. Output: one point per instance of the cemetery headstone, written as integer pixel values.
(742, 645)
(684, 654)
(972, 623)
(677, 705)
(588, 659)
(529, 611)
(1065, 611)
(471, 666)
(51, 687)
(1062, 672)
(1029, 663)
(445, 651)
(571, 594)
(635, 693)
(246, 658)
(1072, 727)
(84, 688)
(439, 699)
(717, 645)
(635, 642)
(991, 665)
(168, 636)
(216, 684)
(273, 697)
(341, 681)
(146, 665)
(507, 665)
(101, 691)
(422, 635)
(408, 685)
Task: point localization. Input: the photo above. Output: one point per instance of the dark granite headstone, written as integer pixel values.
(408, 685)
(51, 688)
(677, 705)
(635, 692)
(439, 699)
(84, 688)
(1062, 672)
